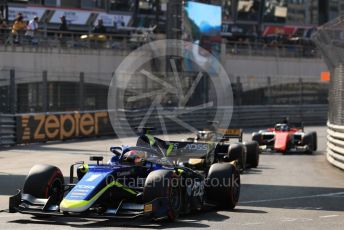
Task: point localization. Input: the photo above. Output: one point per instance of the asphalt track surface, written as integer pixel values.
(285, 192)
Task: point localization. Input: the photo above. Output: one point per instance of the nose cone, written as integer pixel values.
(281, 140)
(74, 205)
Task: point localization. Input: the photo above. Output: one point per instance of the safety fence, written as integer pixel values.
(330, 41)
(25, 91)
(335, 145)
(42, 127)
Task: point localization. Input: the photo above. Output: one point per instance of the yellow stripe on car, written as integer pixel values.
(151, 139)
(169, 149)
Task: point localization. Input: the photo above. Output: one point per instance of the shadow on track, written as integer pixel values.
(188, 221)
(274, 153)
(46, 146)
(292, 197)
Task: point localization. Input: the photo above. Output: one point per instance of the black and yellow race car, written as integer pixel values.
(155, 179)
(246, 154)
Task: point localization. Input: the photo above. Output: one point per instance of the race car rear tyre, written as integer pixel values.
(164, 183)
(221, 151)
(252, 154)
(223, 185)
(256, 137)
(236, 152)
(44, 181)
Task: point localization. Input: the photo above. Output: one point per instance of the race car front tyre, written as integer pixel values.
(236, 153)
(44, 181)
(252, 154)
(223, 185)
(315, 141)
(310, 139)
(164, 183)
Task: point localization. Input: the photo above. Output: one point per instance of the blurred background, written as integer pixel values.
(264, 45)
(60, 56)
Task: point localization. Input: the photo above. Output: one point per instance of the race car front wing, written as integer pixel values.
(27, 204)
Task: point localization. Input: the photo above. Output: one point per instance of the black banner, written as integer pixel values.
(61, 126)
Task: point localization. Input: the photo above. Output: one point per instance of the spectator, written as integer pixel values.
(99, 28)
(3, 27)
(18, 28)
(63, 27)
(118, 23)
(32, 29)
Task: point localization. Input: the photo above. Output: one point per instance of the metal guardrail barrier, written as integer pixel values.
(7, 129)
(335, 145)
(242, 117)
(69, 125)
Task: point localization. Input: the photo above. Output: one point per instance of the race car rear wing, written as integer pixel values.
(231, 133)
(190, 149)
(183, 148)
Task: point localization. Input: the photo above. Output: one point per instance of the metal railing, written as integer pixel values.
(69, 39)
(127, 41)
(276, 50)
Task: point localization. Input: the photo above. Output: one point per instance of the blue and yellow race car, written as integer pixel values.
(154, 179)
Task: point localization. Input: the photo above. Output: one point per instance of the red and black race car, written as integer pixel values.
(285, 138)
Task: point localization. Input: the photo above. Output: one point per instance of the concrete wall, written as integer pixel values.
(98, 66)
(253, 71)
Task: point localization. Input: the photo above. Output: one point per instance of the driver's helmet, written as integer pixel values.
(282, 127)
(134, 156)
(204, 135)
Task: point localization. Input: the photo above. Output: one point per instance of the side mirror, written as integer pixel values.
(96, 158)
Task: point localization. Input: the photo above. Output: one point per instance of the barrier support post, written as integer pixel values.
(81, 90)
(45, 92)
(13, 92)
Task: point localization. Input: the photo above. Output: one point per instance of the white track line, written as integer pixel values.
(258, 223)
(328, 216)
(292, 198)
